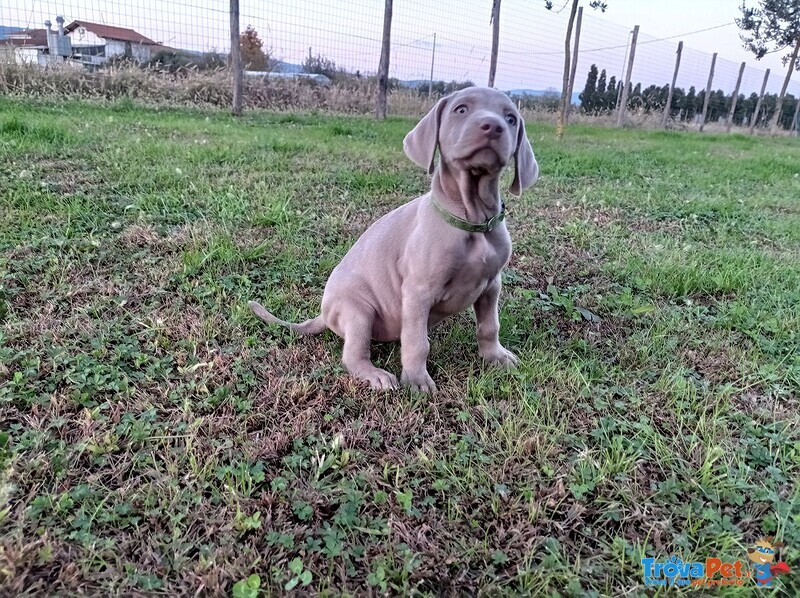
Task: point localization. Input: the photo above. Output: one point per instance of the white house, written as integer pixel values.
(24, 47)
(80, 42)
(95, 43)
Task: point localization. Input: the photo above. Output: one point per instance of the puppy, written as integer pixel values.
(438, 254)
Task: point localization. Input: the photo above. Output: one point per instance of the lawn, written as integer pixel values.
(157, 438)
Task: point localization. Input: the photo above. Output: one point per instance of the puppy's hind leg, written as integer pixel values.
(356, 328)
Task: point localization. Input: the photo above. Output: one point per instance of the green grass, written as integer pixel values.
(156, 437)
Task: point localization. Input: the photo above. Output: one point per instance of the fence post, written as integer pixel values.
(796, 120)
(620, 82)
(236, 59)
(574, 62)
(758, 103)
(708, 91)
(433, 57)
(668, 107)
(495, 41)
(624, 99)
(383, 67)
(734, 100)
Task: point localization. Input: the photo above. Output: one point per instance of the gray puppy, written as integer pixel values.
(438, 254)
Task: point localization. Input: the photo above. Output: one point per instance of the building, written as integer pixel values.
(28, 46)
(94, 43)
(79, 43)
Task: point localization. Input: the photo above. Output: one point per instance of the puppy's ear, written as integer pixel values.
(526, 170)
(421, 142)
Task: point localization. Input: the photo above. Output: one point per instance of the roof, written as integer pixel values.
(111, 32)
(25, 38)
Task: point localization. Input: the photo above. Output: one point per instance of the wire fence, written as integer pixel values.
(447, 40)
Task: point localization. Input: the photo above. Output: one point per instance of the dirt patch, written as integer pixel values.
(716, 366)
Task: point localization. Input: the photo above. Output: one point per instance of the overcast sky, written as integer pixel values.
(531, 48)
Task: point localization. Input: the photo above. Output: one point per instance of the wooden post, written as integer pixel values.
(236, 59)
(773, 126)
(383, 66)
(734, 100)
(620, 81)
(574, 62)
(708, 91)
(758, 103)
(495, 40)
(433, 57)
(624, 99)
(668, 107)
(796, 120)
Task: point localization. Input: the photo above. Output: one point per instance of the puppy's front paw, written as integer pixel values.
(380, 379)
(500, 357)
(421, 382)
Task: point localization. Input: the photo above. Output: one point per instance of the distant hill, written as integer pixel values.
(5, 31)
(414, 83)
(287, 67)
(542, 92)
(423, 83)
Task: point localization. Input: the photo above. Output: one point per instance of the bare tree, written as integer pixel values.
(562, 106)
(772, 26)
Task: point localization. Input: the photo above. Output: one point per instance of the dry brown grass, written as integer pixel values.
(201, 88)
(191, 87)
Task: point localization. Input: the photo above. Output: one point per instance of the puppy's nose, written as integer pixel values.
(492, 127)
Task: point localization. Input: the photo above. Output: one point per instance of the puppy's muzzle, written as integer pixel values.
(491, 127)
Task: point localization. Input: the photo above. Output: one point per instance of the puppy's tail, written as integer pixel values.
(312, 326)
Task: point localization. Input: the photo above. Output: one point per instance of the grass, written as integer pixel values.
(157, 438)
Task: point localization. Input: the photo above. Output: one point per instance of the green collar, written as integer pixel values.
(483, 227)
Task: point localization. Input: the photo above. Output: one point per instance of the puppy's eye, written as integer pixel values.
(511, 119)
(462, 109)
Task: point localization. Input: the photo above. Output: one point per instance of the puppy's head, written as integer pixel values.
(479, 130)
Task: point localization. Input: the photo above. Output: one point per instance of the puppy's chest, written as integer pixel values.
(480, 260)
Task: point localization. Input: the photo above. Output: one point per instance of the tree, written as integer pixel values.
(321, 65)
(601, 88)
(562, 112)
(587, 96)
(698, 107)
(773, 26)
(253, 56)
(609, 100)
(691, 103)
(678, 98)
(635, 96)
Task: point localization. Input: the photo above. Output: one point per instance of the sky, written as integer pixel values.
(531, 38)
